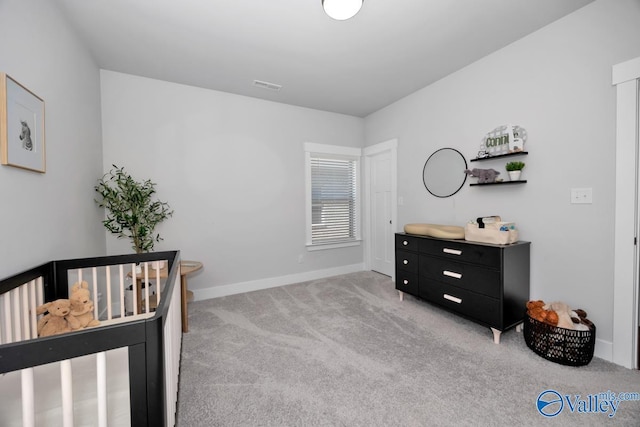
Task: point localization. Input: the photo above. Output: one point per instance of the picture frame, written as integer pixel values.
(22, 136)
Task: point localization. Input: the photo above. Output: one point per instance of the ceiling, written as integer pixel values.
(390, 49)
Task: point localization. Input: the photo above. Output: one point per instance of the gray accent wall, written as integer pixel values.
(556, 83)
(51, 215)
(231, 167)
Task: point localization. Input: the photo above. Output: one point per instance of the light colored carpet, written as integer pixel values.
(344, 351)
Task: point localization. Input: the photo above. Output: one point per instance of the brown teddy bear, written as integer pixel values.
(564, 314)
(558, 314)
(537, 310)
(81, 305)
(58, 318)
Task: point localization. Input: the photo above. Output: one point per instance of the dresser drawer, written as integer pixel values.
(407, 242)
(407, 282)
(478, 307)
(467, 276)
(407, 261)
(486, 255)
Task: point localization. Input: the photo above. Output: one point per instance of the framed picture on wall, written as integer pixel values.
(21, 126)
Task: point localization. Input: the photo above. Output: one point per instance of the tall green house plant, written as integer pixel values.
(130, 211)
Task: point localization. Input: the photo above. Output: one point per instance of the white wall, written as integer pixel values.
(52, 215)
(231, 167)
(555, 83)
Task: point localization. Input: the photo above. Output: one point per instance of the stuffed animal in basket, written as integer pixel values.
(58, 318)
(559, 314)
(564, 314)
(81, 305)
(537, 310)
(484, 175)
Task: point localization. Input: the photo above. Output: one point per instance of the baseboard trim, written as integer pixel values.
(604, 350)
(272, 282)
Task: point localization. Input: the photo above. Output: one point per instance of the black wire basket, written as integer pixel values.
(565, 346)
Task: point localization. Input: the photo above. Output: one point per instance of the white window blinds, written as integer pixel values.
(333, 199)
(332, 175)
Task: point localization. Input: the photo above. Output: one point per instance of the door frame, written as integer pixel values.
(626, 79)
(368, 152)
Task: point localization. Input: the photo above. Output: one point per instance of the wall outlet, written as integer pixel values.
(581, 195)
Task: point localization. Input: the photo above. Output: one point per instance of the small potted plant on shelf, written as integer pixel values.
(130, 210)
(514, 169)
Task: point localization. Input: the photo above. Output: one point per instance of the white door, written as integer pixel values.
(626, 317)
(382, 259)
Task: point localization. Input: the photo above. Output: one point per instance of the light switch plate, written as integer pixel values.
(581, 195)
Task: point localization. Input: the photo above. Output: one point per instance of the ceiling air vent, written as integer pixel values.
(267, 85)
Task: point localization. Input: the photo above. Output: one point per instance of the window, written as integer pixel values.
(333, 196)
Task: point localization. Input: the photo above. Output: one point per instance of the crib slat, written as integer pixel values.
(28, 398)
(5, 320)
(95, 292)
(39, 291)
(146, 287)
(101, 375)
(66, 383)
(157, 267)
(18, 317)
(25, 310)
(33, 318)
(15, 295)
(135, 294)
(122, 308)
(109, 314)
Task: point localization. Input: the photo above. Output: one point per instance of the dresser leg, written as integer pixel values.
(519, 327)
(401, 295)
(496, 335)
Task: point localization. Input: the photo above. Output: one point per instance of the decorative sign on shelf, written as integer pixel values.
(503, 140)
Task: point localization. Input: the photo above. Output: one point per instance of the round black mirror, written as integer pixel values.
(443, 173)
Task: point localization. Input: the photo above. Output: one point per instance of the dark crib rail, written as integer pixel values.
(44, 270)
(143, 337)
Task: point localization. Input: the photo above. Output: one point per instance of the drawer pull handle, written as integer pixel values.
(406, 282)
(405, 243)
(452, 251)
(454, 299)
(405, 262)
(452, 274)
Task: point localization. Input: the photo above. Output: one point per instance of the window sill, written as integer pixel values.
(321, 247)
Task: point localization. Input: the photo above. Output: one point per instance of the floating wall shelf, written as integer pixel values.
(522, 181)
(500, 156)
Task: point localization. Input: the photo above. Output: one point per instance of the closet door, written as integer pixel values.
(380, 206)
(626, 78)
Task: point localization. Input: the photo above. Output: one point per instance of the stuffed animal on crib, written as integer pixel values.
(484, 176)
(81, 305)
(58, 318)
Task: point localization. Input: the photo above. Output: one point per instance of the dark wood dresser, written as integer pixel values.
(486, 283)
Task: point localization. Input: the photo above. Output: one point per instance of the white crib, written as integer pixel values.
(122, 372)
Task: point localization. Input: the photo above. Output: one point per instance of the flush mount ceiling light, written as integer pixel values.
(341, 10)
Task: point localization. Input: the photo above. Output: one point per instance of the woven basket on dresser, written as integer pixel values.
(560, 345)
